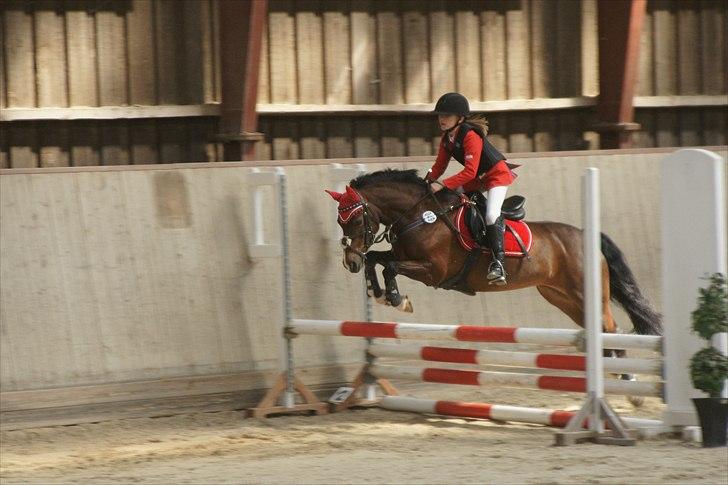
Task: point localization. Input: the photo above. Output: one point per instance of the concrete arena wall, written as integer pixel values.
(122, 276)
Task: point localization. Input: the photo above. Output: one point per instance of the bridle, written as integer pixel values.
(387, 234)
(366, 233)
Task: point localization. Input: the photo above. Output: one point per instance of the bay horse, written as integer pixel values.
(431, 253)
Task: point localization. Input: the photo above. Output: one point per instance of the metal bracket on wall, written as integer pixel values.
(258, 180)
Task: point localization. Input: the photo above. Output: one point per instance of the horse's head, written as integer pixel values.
(359, 225)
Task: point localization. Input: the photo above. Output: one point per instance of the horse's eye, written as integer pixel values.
(345, 241)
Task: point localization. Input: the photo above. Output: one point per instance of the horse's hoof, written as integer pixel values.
(381, 300)
(371, 293)
(406, 305)
(636, 401)
(395, 299)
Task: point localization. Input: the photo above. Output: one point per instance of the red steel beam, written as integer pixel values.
(241, 34)
(619, 23)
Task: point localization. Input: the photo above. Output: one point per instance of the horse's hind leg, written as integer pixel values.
(569, 304)
(610, 326)
(573, 306)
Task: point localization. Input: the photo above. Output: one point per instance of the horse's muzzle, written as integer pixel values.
(353, 261)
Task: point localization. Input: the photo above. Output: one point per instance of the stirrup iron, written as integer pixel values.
(496, 277)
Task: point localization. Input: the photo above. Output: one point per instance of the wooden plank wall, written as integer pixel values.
(367, 52)
(108, 53)
(683, 51)
(25, 144)
(371, 52)
(358, 136)
(164, 52)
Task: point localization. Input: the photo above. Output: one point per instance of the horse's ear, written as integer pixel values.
(334, 195)
(352, 193)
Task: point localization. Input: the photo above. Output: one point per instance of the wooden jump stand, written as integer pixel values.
(365, 385)
(364, 391)
(596, 409)
(279, 392)
(281, 397)
(363, 394)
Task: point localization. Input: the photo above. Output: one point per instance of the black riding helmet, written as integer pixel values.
(452, 104)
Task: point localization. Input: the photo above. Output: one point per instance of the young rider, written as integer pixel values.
(485, 169)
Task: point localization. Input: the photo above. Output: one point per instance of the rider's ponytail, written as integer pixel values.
(479, 121)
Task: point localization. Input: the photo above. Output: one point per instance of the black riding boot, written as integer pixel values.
(496, 271)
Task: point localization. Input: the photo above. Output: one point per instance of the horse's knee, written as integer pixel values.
(390, 271)
(374, 290)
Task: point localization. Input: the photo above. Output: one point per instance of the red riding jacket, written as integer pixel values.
(484, 166)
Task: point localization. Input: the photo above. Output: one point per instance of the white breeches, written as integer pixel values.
(495, 196)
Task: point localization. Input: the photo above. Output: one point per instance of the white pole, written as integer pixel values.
(592, 296)
(286, 356)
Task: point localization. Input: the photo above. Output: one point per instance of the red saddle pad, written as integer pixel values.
(510, 245)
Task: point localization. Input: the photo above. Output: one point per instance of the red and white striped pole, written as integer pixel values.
(406, 350)
(497, 412)
(468, 333)
(514, 379)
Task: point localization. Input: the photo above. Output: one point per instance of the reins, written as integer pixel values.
(389, 233)
(390, 236)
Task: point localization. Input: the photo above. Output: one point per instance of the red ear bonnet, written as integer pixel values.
(334, 195)
(349, 203)
(353, 194)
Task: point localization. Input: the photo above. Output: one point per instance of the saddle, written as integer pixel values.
(470, 222)
(512, 210)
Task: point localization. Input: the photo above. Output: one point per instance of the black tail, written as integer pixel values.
(623, 288)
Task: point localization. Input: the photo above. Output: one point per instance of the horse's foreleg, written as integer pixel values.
(416, 270)
(373, 289)
(392, 294)
(419, 270)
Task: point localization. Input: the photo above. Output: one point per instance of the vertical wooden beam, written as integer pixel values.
(241, 32)
(620, 25)
(416, 52)
(493, 53)
(389, 51)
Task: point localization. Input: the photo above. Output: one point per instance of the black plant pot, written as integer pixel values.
(713, 415)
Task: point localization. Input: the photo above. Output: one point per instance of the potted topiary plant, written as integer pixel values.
(709, 367)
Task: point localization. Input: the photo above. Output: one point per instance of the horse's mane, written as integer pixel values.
(389, 175)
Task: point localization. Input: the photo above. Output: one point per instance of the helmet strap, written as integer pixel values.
(447, 132)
